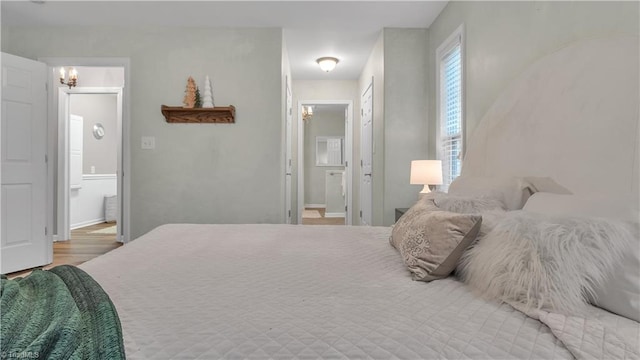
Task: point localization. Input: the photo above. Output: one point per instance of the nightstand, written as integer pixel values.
(400, 212)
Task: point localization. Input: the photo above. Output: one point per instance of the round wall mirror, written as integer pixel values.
(98, 131)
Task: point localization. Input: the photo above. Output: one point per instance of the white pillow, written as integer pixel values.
(512, 191)
(545, 184)
(467, 205)
(621, 293)
(545, 262)
(582, 205)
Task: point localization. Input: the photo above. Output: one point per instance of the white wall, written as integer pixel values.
(503, 38)
(328, 122)
(329, 90)
(101, 154)
(98, 76)
(405, 115)
(198, 173)
(87, 203)
(398, 66)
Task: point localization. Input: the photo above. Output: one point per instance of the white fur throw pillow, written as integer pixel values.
(538, 261)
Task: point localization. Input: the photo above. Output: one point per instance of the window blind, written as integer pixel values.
(451, 114)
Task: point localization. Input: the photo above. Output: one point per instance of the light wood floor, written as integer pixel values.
(323, 220)
(82, 247)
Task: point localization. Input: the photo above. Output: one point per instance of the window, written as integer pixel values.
(450, 115)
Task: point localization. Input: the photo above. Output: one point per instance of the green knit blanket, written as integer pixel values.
(60, 313)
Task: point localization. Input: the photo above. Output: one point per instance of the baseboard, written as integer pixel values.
(87, 223)
(334, 215)
(315, 206)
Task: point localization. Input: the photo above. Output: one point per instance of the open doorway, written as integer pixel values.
(95, 76)
(324, 172)
(89, 139)
(93, 160)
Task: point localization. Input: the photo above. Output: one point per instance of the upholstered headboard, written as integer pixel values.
(573, 116)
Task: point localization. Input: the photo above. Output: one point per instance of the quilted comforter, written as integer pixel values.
(298, 292)
(58, 314)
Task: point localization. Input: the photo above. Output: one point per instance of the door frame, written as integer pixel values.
(348, 155)
(124, 145)
(64, 114)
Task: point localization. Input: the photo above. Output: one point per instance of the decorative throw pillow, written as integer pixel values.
(418, 209)
(544, 262)
(431, 241)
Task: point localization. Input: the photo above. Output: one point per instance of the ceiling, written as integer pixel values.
(312, 29)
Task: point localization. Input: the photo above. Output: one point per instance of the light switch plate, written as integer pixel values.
(148, 143)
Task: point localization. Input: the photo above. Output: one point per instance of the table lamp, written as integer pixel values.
(426, 172)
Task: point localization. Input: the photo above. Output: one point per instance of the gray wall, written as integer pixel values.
(398, 66)
(405, 115)
(102, 153)
(224, 173)
(329, 90)
(328, 122)
(374, 69)
(503, 38)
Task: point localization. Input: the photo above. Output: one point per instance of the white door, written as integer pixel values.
(288, 151)
(366, 154)
(76, 140)
(345, 176)
(24, 240)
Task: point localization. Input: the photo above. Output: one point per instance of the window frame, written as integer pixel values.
(454, 39)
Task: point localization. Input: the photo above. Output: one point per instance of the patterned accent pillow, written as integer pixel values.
(431, 241)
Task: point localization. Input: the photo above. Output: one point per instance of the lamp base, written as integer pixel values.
(425, 190)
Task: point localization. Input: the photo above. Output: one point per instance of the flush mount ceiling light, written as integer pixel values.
(327, 63)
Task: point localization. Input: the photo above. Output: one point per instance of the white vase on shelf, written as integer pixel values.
(207, 101)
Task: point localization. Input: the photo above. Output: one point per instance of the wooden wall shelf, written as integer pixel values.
(219, 114)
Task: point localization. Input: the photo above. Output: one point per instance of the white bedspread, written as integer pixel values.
(306, 292)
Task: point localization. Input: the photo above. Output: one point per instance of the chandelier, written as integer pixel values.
(73, 77)
(307, 113)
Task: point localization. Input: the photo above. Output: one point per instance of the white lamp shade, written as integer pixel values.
(426, 172)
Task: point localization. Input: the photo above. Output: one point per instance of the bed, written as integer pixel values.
(285, 292)
(282, 292)
(186, 291)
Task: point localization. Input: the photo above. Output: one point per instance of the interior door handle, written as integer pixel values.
(369, 174)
